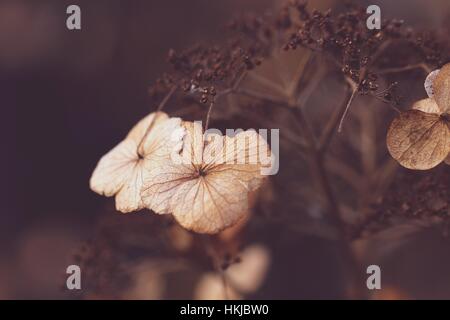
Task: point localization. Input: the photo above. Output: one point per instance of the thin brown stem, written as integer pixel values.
(422, 66)
(159, 108)
(362, 75)
(208, 115)
(332, 123)
(267, 83)
(311, 86)
(347, 107)
(260, 96)
(291, 137)
(317, 162)
(236, 84)
(225, 285)
(300, 73)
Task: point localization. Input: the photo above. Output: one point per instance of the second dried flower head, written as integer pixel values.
(420, 138)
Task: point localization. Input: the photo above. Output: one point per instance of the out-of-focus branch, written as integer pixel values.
(260, 96)
(316, 159)
(267, 83)
(422, 66)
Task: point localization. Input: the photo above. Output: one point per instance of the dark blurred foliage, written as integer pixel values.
(69, 96)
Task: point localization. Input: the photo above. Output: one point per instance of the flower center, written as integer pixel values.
(445, 117)
(201, 172)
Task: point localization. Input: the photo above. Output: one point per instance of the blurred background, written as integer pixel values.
(67, 97)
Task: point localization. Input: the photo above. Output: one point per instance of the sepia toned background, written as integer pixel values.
(67, 97)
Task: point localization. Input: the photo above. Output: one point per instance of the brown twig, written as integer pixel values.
(362, 75)
(159, 108)
(225, 92)
(208, 115)
(267, 83)
(260, 96)
(332, 123)
(422, 66)
(347, 107)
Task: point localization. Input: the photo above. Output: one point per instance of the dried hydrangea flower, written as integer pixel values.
(420, 138)
(208, 193)
(121, 171)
